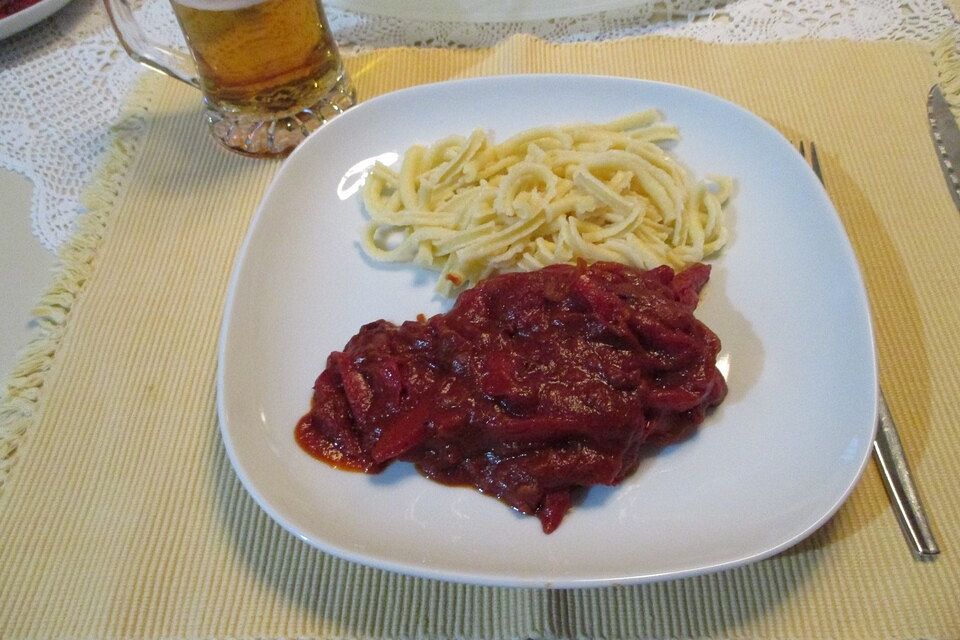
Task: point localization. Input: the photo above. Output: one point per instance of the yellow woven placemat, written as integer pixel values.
(121, 517)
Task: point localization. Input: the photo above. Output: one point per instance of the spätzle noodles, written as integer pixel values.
(470, 208)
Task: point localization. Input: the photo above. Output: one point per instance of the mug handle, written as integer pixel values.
(145, 50)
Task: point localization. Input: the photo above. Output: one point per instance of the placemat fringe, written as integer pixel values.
(76, 262)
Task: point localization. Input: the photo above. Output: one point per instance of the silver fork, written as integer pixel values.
(888, 452)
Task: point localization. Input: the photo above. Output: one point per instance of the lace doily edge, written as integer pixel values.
(21, 397)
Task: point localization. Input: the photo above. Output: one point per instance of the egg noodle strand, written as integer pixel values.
(470, 208)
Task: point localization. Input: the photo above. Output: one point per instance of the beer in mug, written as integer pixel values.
(269, 70)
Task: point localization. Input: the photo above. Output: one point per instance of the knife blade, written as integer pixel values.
(946, 140)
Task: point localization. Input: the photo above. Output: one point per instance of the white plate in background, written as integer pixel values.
(487, 11)
(30, 16)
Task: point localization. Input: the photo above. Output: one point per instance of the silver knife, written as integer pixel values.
(946, 140)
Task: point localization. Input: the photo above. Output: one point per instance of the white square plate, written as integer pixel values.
(767, 467)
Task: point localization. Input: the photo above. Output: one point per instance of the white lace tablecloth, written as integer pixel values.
(62, 82)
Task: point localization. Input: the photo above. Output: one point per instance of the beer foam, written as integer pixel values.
(218, 5)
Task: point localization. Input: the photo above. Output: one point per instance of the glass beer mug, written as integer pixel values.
(269, 70)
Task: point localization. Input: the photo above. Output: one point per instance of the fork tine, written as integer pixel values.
(815, 160)
(811, 158)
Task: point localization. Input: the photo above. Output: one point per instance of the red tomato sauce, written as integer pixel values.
(531, 387)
